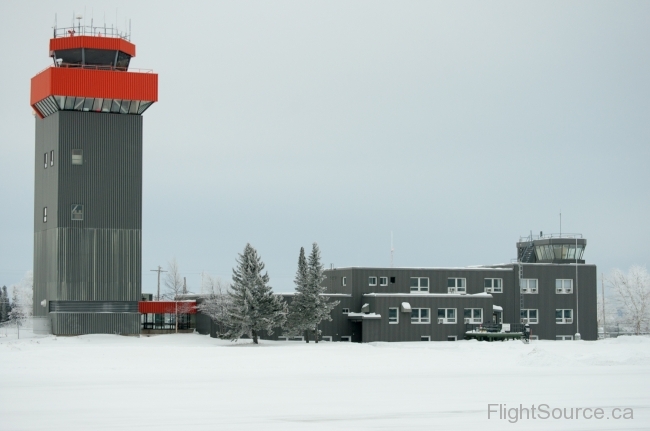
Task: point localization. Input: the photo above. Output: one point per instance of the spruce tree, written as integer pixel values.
(309, 306)
(322, 305)
(253, 307)
(301, 309)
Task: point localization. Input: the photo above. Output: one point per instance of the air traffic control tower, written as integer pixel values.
(88, 183)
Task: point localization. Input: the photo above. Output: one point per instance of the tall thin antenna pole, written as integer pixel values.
(577, 297)
(392, 250)
(602, 279)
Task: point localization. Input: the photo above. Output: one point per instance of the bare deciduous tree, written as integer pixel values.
(173, 280)
(633, 294)
(174, 285)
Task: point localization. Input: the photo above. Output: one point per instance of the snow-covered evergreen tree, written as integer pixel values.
(309, 306)
(254, 307)
(315, 280)
(302, 305)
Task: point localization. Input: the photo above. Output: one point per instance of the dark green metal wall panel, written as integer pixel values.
(95, 323)
(98, 258)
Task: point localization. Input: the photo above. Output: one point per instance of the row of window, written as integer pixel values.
(459, 285)
(77, 212)
(562, 316)
(445, 315)
(562, 286)
(559, 251)
(77, 158)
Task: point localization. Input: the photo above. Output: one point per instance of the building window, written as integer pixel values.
(326, 338)
(344, 281)
(563, 337)
(529, 316)
(345, 311)
(563, 286)
(425, 337)
(421, 315)
(528, 285)
(452, 338)
(446, 315)
(45, 160)
(419, 284)
(347, 338)
(392, 280)
(383, 281)
(77, 212)
(372, 281)
(456, 285)
(77, 157)
(44, 214)
(393, 316)
(473, 315)
(52, 158)
(493, 285)
(563, 316)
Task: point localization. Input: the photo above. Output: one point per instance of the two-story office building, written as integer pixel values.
(550, 287)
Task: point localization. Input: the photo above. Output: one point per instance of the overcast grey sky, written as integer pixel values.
(459, 126)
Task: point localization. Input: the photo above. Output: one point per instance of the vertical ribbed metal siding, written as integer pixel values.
(45, 195)
(99, 258)
(95, 323)
(109, 183)
(99, 264)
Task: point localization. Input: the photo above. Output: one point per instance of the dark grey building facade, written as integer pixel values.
(555, 294)
(88, 222)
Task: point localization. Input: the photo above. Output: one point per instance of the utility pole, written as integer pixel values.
(159, 270)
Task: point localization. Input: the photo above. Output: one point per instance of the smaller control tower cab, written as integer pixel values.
(551, 248)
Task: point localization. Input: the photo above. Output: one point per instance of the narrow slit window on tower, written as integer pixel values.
(44, 214)
(52, 158)
(77, 157)
(45, 160)
(77, 212)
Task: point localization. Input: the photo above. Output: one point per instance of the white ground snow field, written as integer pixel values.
(192, 382)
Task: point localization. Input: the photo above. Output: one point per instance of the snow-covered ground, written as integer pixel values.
(194, 382)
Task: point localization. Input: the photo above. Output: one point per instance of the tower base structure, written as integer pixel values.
(88, 218)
